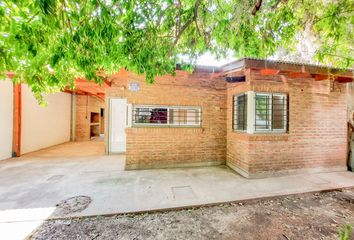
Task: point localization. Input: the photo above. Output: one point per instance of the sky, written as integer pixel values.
(208, 59)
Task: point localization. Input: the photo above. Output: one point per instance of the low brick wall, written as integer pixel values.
(172, 147)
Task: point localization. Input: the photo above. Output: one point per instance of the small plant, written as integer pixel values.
(344, 234)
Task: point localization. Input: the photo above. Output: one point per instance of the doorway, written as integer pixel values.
(118, 122)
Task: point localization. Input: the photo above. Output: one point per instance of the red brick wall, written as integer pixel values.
(317, 129)
(150, 147)
(84, 106)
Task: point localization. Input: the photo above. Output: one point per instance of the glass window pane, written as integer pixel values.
(150, 115)
(167, 115)
(271, 111)
(240, 112)
(263, 111)
(279, 112)
(177, 116)
(158, 115)
(192, 116)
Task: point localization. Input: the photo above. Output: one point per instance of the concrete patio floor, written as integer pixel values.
(32, 186)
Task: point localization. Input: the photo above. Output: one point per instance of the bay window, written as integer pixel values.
(263, 112)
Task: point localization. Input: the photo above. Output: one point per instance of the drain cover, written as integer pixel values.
(183, 193)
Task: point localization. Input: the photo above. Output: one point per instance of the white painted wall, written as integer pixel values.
(6, 118)
(44, 126)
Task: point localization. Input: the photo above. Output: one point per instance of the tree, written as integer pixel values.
(49, 42)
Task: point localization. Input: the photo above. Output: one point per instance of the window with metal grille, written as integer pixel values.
(166, 116)
(271, 112)
(240, 112)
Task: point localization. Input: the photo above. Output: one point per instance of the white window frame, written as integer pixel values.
(168, 124)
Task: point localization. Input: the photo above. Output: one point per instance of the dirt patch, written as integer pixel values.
(304, 216)
(72, 205)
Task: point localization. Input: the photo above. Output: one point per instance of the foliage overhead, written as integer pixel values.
(49, 42)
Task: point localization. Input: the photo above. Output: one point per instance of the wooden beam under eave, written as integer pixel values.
(91, 91)
(100, 97)
(341, 79)
(299, 75)
(88, 90)
(107, 82)
(268, 71)
(82, 83)
(344, 79)
(99, 89)
(320, 77)
(78, 92)
(66, 90)
(17, 109)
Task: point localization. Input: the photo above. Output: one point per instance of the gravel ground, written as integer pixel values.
(304, 216)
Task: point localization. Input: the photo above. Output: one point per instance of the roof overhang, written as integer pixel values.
(288, 69)
(85, 87)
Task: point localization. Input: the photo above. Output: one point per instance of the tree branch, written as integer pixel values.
(189, 22)
(185, 26)
(257, 7)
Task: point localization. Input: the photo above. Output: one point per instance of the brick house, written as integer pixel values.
(259, 117)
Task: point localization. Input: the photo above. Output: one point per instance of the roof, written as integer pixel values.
(270, 67)
(265, 66)
(84, 87)
(271, 62)
(268, 63)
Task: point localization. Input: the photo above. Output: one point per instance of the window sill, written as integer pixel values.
(164, 126)
(265, 136)
(274, 132)
(164, 130)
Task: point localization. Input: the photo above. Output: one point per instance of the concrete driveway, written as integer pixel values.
(76, 179)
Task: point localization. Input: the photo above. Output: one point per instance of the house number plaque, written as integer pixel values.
(134, 86)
